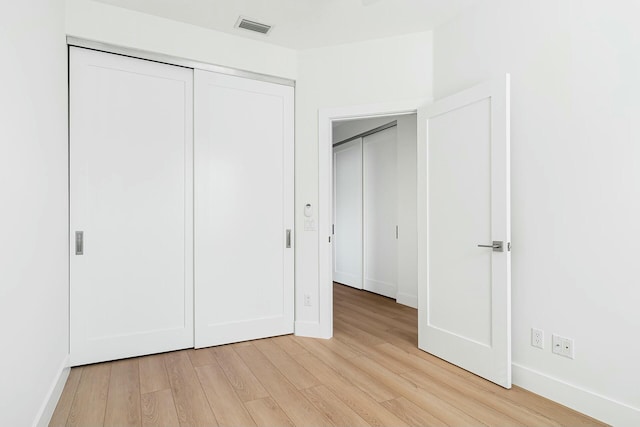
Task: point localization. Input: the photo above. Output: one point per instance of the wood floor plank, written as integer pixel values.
(411, 413)
(389, 311)
(473, 400)
(373, 352)
(360, 402)
(355, 334)
(153, 374)
(377, 317)
(542, 406)
(287, 343)
(201, 357)
(349, 370)
(158, 409)
(266, 413)
(225, 403)
(288, 398)
(409, 346)
(61, 413)
(123, 403)
(191, 403)
(340, 348)
(239, 375)
(296, 374)
(333, 408)
(430, 400)
(90, 402)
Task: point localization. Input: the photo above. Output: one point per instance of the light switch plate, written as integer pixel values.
(310, 224)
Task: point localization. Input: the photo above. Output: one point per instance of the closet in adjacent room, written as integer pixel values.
(366, 211)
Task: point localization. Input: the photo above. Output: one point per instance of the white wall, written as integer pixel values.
(407, 195)
(371, 72)
(33, 218)
(575, 73)
(109, 24)
(407, 211)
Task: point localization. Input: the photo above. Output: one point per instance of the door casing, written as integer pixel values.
(323, 328)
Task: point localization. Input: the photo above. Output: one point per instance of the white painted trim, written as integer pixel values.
(407, 299)
(325, 200)
(588, 402)
(309, 329)
(55, 391)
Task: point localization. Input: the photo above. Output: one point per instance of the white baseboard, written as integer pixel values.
(407, 299)
(55, 391)
(593, 404)
(309, 329)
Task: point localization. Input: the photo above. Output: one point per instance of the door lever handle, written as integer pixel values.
(497, 246)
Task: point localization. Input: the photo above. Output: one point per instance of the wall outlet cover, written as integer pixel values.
(562, 346)
(537, 338)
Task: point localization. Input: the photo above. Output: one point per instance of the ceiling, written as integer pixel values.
(303, 24)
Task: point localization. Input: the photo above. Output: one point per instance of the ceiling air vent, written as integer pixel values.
(256, 27)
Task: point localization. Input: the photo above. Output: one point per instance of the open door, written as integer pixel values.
(464, 272)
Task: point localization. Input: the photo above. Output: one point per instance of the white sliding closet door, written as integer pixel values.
(243, 209)
(131, 284)
(347, 203)
(380, 212)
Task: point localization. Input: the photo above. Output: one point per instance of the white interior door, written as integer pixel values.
(347, 204)
(131, 288)
(243, 209)
(380, 212)
(463, 202)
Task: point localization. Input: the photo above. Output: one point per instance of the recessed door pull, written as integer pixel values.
(79, 242)
(497, 246)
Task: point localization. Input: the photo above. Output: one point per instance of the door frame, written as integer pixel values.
(326, 117)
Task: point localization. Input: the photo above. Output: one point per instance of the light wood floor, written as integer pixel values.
(370, 373)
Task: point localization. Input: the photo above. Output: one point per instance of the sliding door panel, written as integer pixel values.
(243, 209)
(347, 205)
(380, 212)
(131, 284)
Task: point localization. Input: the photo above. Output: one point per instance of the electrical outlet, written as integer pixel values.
(562, 346)
(307, 300)
(537, 338)
(567, 347)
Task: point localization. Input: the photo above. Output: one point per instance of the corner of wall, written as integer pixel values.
(53, 395)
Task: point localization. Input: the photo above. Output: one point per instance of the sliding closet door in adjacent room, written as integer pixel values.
(243, 209)
(347, 205)
(131, 285)
(380, 212)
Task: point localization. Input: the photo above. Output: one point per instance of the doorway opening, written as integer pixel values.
(338, 125)
(374, 206)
